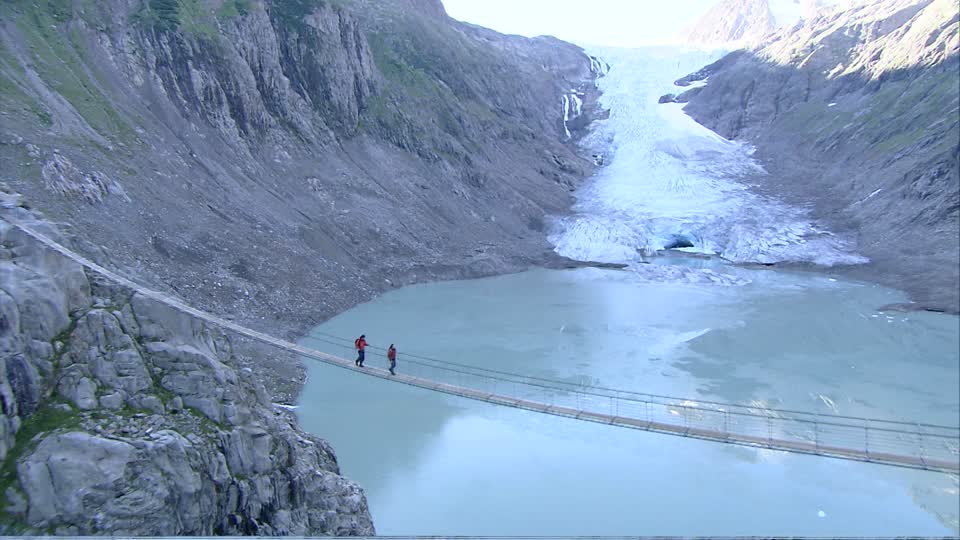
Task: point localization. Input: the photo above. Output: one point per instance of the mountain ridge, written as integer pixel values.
(854, 114)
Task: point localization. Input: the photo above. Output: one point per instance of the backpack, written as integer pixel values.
(356, 343)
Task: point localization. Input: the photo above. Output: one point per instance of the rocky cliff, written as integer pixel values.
(121, 416)
(855, 113)
(271, 161)
(281, 161)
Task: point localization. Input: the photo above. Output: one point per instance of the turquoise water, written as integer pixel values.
(436, 464)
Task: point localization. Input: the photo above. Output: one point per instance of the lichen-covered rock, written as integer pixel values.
(69, 474)
(134, 419)
(63, 177)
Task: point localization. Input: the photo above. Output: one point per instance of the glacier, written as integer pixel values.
(670, 183)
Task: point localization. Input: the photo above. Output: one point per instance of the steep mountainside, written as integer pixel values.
(856, 114)
(279, 161)
(273, 161)
(122, 416)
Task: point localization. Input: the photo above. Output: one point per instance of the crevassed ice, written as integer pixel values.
(672, 183)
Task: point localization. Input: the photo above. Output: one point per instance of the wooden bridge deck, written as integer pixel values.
(772, 443)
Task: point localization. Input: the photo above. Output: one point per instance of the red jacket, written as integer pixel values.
(360, 344)
(391, 354)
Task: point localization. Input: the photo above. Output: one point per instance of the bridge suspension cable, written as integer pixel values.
(602, 391)
(888, 442)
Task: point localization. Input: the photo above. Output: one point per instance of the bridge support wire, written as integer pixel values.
(887, 442)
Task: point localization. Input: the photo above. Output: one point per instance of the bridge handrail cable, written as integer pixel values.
(654, 399)
(333, 360)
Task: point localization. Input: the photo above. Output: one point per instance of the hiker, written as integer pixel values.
(392, 357)
(360, 343)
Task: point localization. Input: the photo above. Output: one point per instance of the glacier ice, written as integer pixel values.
(668, 181)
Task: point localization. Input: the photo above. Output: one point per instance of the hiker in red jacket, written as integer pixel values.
(360, 343)
(392, 357)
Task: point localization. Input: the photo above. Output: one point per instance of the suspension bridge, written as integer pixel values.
(888, 442)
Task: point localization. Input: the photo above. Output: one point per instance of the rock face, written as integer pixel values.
(62, 177)
(271, 161)
(121, 416)
(280, 161)
(856, 114)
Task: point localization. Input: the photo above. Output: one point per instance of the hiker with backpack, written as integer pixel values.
(392, 357)
(361, 344)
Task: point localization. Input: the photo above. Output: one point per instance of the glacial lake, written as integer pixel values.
(433, 464)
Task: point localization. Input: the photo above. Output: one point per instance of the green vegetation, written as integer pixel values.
(56, 56)
(52, 416)
(9, 62)
(60, 10)
(129, 412)
(902, 113)
(190, 16)
(207, 426)
(14, 99)
(430, 69)
(43, 115)
(165, 395)
(158, 14)
(96, 13)
(64, 338)
(234, 8)
(195, 20)
(898, 116)
(398, 70)
(292, 12)
(12, 96)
